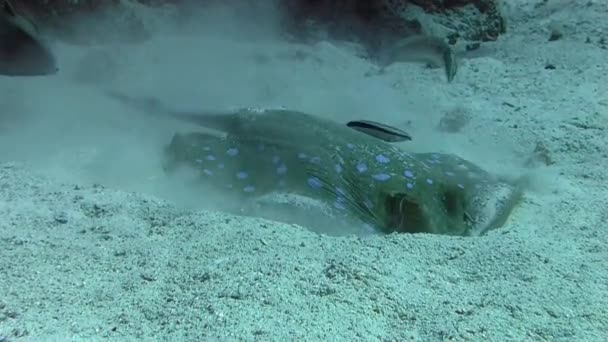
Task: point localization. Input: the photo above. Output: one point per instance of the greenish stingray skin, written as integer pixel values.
(384, 186)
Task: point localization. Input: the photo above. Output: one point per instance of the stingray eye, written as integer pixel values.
(404, 215)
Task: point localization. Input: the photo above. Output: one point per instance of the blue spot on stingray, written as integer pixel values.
(449, 173)
(339, 168)
(351, 146)
(232, 152)
(261, 147)
(315, 160)
(361, 167)
(282, 169)
(220, 165)
(408, 174)
(435, 156)
(276, 159)
(339, 204)
(430, 181)
(210, 157)
(249, 188)
(382, 159)
(410, 185)
(242, 175)
(207, 148)
(199, 161)
(302, 155)
(382, 177)
(208, 172)
(368, 203)
(315, 182)
(460, 186)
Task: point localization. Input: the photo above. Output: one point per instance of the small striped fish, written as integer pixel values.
(379, 130)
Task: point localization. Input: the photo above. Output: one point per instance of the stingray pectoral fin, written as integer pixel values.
(343, 190)
(492, 206)
(379, 130)
(189, 149)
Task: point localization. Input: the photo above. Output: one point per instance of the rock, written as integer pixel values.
(374, 23)
(379, 23)
(65, 18)
(454, 120)
(471, 20)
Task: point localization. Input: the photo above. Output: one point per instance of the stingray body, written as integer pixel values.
(360, 176)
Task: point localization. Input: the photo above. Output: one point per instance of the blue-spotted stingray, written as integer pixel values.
(359, 175)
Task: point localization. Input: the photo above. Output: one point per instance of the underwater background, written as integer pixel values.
(99, 240)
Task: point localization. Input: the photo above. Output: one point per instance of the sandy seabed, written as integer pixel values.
(96, 244)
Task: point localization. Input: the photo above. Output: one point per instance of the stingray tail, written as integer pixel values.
(226, 121)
